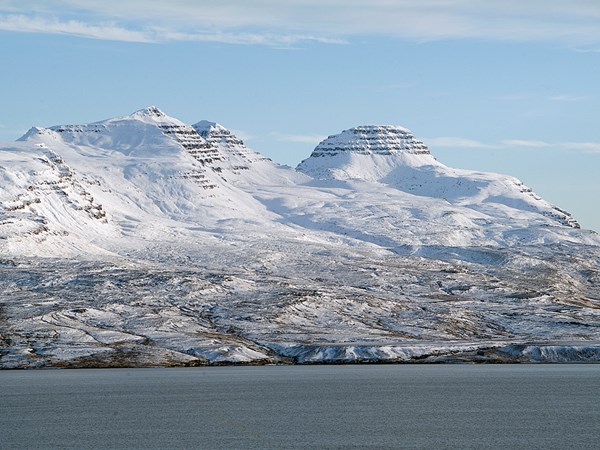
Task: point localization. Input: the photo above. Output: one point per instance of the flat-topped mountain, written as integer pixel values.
(391, 155)
(372, 140)
(142, 240)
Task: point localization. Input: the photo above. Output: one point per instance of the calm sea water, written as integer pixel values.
(375, 406)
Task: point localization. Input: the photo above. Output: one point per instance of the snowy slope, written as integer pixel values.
(165, 243)
(43, 204)
(393, 156)
(151, 174)
(156, 179)
(430, 203)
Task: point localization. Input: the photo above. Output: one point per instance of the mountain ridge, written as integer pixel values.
(142, 240)
(393, 156)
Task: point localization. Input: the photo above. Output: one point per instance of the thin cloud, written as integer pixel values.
(525, 144)
(567, 98)
(586, 50)
(298, 138)
(553, 98)
(26, 24)
(112, 32)
(588, 147)
(573, 23)
(456, 142)
(282, 40)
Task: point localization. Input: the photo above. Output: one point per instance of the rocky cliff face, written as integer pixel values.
(371, 140)
(219, 137)
(238, 157)
(366, 153)
(242, 165)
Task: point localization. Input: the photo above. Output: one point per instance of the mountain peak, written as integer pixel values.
(150, 111)
(219, 136)
(36, 133)
(368, 152)
(372, 140)
(151, 115)
(206, 127)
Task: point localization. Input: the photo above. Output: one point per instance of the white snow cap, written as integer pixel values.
(37, 133)
(217, 134)
(150, 111)
(150, 115)
(208, 126)
(372, 140)
(368, 152)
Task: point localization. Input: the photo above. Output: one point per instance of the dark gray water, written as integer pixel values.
(389, 406)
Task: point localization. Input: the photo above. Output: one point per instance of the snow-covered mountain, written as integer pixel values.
(144, 240)
(394, 157)
(149, 174)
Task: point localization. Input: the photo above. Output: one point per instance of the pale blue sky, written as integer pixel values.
(506, 86)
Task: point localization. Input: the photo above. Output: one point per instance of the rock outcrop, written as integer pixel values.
(371, 140)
